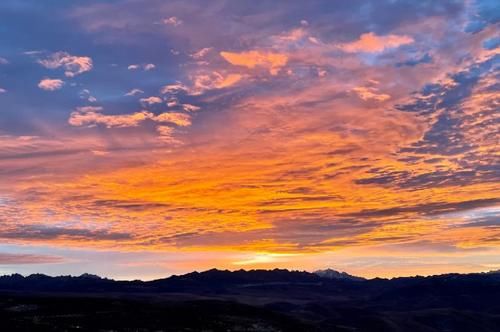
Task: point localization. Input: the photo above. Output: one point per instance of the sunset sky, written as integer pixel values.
(144, 138)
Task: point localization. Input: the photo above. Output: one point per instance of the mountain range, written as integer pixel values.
(254, 300)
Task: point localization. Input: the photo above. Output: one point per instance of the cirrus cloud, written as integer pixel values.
(22, 259)
(134, 92)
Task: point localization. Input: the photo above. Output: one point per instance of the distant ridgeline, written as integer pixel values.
(256, 300)
(223, 280)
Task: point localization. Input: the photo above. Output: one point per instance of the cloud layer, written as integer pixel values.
(361, 135)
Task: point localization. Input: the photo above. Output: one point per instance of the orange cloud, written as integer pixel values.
(251, 59)
(93, 116)
(370, 93)
(212, 80)
(371, 43)
(179, 119)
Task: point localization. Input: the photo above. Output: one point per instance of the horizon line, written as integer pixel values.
(248, 270)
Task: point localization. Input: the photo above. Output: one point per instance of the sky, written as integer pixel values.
(145, 138)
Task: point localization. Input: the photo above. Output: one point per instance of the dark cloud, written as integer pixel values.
(458, 133)
(38, 232)
(427, 209)
(384, 177)
(490, 222)
(128, 205)
(40, 154)
(426, 58)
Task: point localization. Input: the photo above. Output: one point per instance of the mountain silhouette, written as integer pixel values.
(254, 300)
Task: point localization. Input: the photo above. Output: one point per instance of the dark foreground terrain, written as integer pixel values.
(258, 300)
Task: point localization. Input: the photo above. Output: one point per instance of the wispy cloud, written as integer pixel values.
(23, 259)
(173, 21)
(372, 43)
(145, 67)
(134, 92)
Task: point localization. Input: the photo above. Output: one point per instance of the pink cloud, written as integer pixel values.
(165, 134)
(151, 100)
(173, 21)
(100, 153)
(190, 108)
(22, 259)
(73, 65)
(173, 88)
(49, 84)
(201, 53)
(172, 102)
